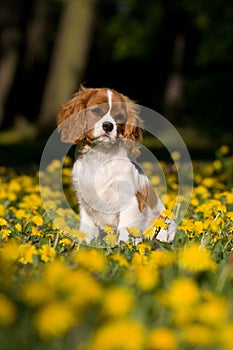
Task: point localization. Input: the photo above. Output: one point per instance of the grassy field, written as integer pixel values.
(57, 293)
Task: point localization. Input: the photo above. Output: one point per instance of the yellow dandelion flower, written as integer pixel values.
(209, 182)
(129, 245)
(54, 273)
(224, 149)
(47, 253)
(220, 208)
(110, 239)
(139, 260)
(183, 294)
(229, 197)
(109, 229)
(91, 259)
(230, 215)
(201, 191)
(18, 227)
(3, 222)
(147, 165)
(3, 194)
(194, 258)
(198, 335)
(146, 278)
(176, 155)
(54, 320)
(11, 196)
(61, 212)
(50, 235)
(197, 178)
(54, 165)
(143, 248)
(187, 225)
(134, 231)
(217, 225)
(26, 253)
(162, 258)
(21, 214)
(230, 229)
(120, 259)
(68, 161)
(50, 204)
(162, 339)
(79, 235)
(32, 201)
(36, 232)
(155, 180)
(118, 302)
(207, 169)
(65, 229)
(213, 311)
(167, 214)
(14, 186)
(226, 336)
(119, 334)
(10, 252)
(59, 222)
(194, 202)
(217, 164)
(8, 311)
(66, 173)
(159, 223)
(36, 293)
(5, 233)
(149, 232)
(80, 288)
(198, 227)
(65, 241)
(37, 220)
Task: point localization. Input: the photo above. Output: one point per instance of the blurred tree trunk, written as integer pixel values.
(36, 34)
(174, 90)
(23, 45)
(9, 47)
(8, 64)
(68, 59)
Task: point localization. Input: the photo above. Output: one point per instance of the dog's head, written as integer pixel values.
(99, 115)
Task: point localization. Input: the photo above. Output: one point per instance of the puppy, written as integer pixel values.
(111, 188)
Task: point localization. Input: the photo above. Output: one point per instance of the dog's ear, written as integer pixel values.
(71, 118)
(134, 127)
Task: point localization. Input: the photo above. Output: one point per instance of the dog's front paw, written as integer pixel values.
(167, 234)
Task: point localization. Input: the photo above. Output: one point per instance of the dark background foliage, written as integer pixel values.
(172, 56)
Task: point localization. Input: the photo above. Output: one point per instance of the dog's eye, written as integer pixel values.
(96, 111)
(120, 118)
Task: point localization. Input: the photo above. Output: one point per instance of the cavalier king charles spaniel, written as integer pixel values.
(111, 187)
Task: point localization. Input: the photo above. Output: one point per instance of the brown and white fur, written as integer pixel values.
(111, 188)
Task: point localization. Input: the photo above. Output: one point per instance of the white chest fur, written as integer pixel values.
(106, 182)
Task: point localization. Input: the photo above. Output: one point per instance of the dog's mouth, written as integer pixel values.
(104, 138)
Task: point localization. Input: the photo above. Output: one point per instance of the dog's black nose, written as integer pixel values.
(107, 126)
